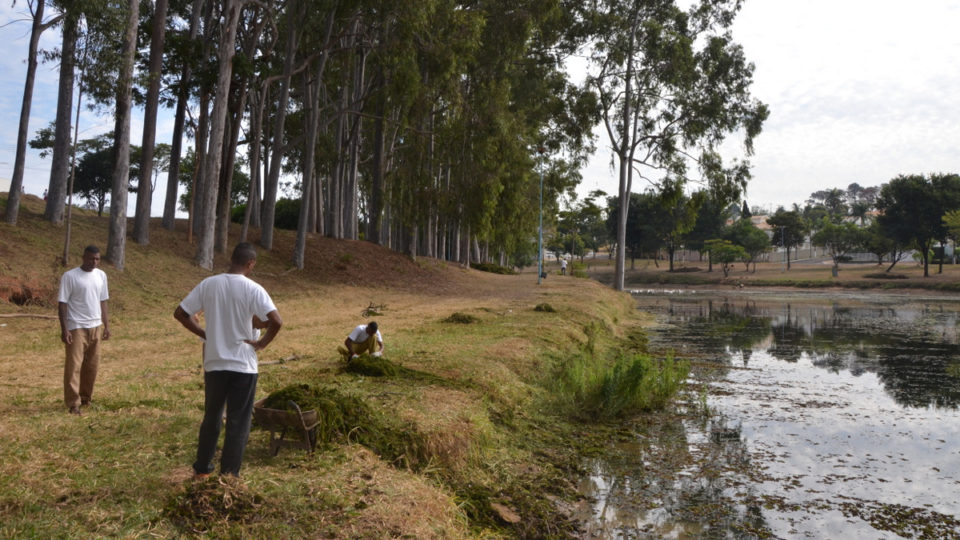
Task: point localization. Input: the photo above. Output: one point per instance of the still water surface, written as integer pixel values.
(828, 417)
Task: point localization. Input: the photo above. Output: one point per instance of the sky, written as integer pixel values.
(858, 90)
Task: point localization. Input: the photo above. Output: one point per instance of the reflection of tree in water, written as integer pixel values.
(705, 498)
(719, 325)
(667, 479)
(910, 348)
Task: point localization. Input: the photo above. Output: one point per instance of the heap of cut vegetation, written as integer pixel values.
(545, 307)
(373, 366)
(344, 416)
(216, 501)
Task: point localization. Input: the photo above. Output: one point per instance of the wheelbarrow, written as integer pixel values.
(281, 422)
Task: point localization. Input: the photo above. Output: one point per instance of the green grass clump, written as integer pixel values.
(545, 307)
(590, 390)
(461, 318)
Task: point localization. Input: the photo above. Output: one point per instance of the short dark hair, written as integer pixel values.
(91, 249)
(371, 327)
(243, 253)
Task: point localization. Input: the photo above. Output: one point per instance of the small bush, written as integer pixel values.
(493, 268)
(545, 307)
(591, 390)
(461, 318)
(884, 275)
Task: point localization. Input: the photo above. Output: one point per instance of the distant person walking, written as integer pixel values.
(234, 308)
(563, 267)
(84, 324)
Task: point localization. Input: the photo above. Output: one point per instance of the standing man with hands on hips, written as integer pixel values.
(234, 307)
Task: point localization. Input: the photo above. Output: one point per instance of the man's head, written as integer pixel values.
(91, 258)
(371, 328)
(244, 257)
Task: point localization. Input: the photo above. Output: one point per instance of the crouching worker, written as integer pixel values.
(365, 338)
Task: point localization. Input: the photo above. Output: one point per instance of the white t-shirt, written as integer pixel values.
(229, 302)
(359, 334)
(82, 292)
(563, 263)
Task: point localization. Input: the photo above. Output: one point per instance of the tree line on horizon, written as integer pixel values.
(908, 213)
(433, 128)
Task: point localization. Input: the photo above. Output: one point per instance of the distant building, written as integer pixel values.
(4, 185)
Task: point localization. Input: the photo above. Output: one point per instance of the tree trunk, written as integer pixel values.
(141, 222)
(19, 162)
(311, 94)
(375, 210)
(227, 50)
(295, 14)
(116, 239)
(57, 188)
(176, 145)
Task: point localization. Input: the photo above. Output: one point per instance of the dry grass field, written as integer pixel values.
(487, 457)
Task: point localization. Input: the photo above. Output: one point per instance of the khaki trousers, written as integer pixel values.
(371, 345)
(80, 368)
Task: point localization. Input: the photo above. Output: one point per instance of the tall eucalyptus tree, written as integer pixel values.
(117, 234)
(212, 162)
(672, 84)
(141, 224)
(37, 27)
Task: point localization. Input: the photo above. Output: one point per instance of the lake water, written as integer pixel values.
(825, 415)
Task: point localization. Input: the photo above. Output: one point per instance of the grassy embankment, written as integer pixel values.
(482, 449)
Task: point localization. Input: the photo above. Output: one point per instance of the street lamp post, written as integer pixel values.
(540, 151)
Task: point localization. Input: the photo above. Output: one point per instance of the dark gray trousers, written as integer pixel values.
(236, 391)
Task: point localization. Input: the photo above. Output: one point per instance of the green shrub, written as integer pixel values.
(592, 390)
(545, 307)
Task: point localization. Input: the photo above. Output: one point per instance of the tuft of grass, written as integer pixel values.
(631, 384)
(545, 307)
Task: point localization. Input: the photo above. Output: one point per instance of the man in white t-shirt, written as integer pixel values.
(82, 310)
(563, 267)
(364, 338)
(235, 308)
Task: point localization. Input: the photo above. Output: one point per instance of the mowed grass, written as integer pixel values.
(478, 410)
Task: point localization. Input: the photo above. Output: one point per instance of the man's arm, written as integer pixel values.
(105, 319)
(274, 322)
(188, 322)
(62, 315)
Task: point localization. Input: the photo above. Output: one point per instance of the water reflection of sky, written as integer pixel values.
(819, 406)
